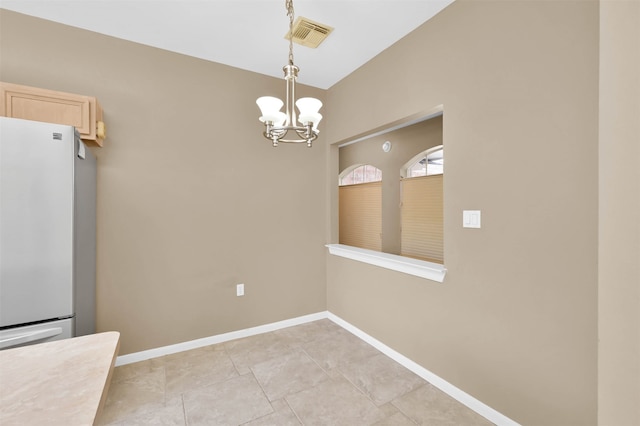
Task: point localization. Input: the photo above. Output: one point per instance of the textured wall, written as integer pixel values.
(191, 199)
(515, 321)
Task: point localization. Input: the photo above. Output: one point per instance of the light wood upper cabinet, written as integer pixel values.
(32, 103)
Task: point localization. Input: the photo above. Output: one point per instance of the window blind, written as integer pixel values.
(422, 218)
(360, 209)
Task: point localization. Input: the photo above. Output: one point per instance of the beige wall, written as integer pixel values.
(406, 143)
(619, 215)
(515, 322)
(191, 199)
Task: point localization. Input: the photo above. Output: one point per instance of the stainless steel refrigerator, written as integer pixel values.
(47, 233)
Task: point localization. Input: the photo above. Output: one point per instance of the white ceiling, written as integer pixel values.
(247, 34)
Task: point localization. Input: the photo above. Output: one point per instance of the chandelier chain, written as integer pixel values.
(290, 13)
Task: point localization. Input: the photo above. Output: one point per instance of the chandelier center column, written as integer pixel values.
(290, 75)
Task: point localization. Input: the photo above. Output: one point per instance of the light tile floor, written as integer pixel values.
(312, 374)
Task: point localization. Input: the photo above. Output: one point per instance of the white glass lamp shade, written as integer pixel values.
(308, 106)
(270, 108)
(281, 117)
(310, 118)
(277, 120)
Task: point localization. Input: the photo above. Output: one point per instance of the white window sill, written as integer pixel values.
(419, 268)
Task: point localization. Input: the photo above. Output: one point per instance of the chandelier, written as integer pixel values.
(284, 126)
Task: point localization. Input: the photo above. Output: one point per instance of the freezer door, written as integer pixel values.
(34, 334)
(36, 221)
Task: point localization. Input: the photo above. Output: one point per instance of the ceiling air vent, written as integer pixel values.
(308, 33)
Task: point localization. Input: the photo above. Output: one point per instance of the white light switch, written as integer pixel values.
(471, 218)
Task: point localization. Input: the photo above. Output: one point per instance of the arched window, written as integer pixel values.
(360, 173)
(427, 163)
(360, 207)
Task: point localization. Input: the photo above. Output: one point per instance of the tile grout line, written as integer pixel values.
(403, 413)
(337, 369)
(273, 410)
(293, 411)
(184, 410)
(235, 366)
(362, 391)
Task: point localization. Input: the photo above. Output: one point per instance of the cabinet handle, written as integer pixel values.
(101, 130)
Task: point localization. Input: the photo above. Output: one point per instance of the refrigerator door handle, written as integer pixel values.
(19, 339)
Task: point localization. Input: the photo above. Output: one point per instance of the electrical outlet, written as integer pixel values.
(240, 290)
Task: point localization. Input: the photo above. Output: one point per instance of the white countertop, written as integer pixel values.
(64, 382)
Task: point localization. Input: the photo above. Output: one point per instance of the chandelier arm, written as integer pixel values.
(305, 134)
(274, 132)
(297, 140)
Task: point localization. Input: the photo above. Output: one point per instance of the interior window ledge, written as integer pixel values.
(419, 268)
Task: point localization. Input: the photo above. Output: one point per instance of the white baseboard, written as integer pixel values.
(446, 387)
(220, 338)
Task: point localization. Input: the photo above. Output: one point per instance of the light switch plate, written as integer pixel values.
(471, 218)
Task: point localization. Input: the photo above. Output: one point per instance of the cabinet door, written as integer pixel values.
(50, 106)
